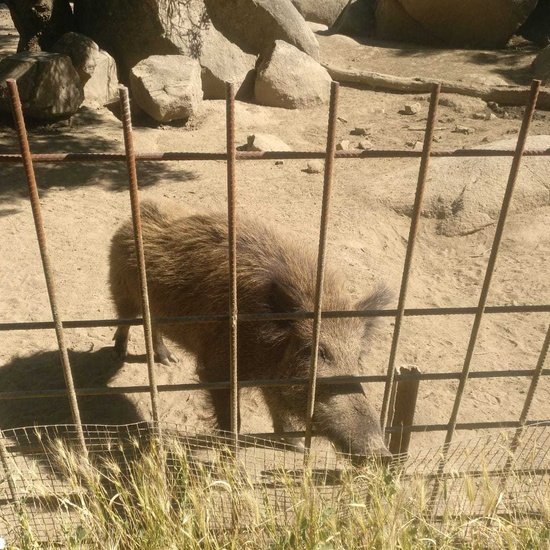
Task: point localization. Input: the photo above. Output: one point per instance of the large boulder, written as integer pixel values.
(255, 24)
(357, 18)
(96, 68)
(541, 66)
(222, 62)
(468, 23)
(131, 31)
(167, 87)
(325, 12)
(291, 79)
(48, 84)
(537, 25)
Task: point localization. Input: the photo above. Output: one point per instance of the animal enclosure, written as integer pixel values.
(397, 408)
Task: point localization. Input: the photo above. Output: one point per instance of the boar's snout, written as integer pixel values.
(382, 457)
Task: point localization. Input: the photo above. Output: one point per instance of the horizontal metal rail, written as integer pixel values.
(266, 155)
(249, 317)
(274, 382)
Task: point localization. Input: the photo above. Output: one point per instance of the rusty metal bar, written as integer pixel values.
(514, 171)
(249, 317)
(175, 156)
(321, 259)
(232, 244)
(48, 272)
(415, 222)
(140, 254)
(528, 402)
(403, 415)
(274, 382)
(506, 201)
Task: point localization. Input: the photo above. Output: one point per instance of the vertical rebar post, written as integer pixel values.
(403, 416)
(232, 244)
(140, 254)
(480, 310)
(321, 260)
(528, 401)
(506, 202)
(415, 222)
(48, 272)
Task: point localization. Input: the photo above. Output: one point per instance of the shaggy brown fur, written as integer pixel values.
(187, 272)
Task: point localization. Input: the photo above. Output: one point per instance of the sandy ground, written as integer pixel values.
(83, 204)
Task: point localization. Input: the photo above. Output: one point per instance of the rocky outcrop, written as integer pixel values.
(255, 24)
(222, 61)
(464, 24)
(48, 84)
(291, 79)
(325, 12)
(96, 68)
(167, 87)
(131, 31)
(541, 66)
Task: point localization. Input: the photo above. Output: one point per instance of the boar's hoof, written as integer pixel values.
(165, 356)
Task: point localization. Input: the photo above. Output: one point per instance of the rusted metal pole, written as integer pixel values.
(48, 272)
(528, 402)
(506, 202)
(56, 158)
(415, 222)
(249, 317)
(321, 260)
(406, 395)
(232, 244)
(140, 253)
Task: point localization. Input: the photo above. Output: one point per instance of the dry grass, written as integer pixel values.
(135, 504)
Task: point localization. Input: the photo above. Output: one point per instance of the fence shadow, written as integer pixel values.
(42, 371)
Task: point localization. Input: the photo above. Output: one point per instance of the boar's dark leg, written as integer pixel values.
(121, 342)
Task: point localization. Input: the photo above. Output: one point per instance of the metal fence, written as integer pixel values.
(399, 387)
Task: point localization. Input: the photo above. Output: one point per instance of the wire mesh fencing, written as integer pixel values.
(444, 467)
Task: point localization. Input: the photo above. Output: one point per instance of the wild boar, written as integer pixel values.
(186, 257)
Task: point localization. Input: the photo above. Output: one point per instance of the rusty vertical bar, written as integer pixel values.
(413, 231)
(528, 401)
(321, 260)
(140, 254)
(232, 244)
(507, 200)
(480, 310)
(403, 415)
(48, 272)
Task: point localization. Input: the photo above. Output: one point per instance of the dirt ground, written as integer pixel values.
(84, 203)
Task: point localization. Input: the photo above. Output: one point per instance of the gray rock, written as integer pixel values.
(468, 23)
(48, 84)
(365, 144)
(167, 87)
(255, 24)
(96, 68)
(223, 62)
(411, 109)
(266, 142)
(541, 65)
(132, 31)
(343, 145)
(291, 79)
(325, 12)
(315, 167)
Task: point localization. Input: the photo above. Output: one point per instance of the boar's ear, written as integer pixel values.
(380, 298)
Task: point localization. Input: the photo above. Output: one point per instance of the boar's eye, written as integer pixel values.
(324, 354)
